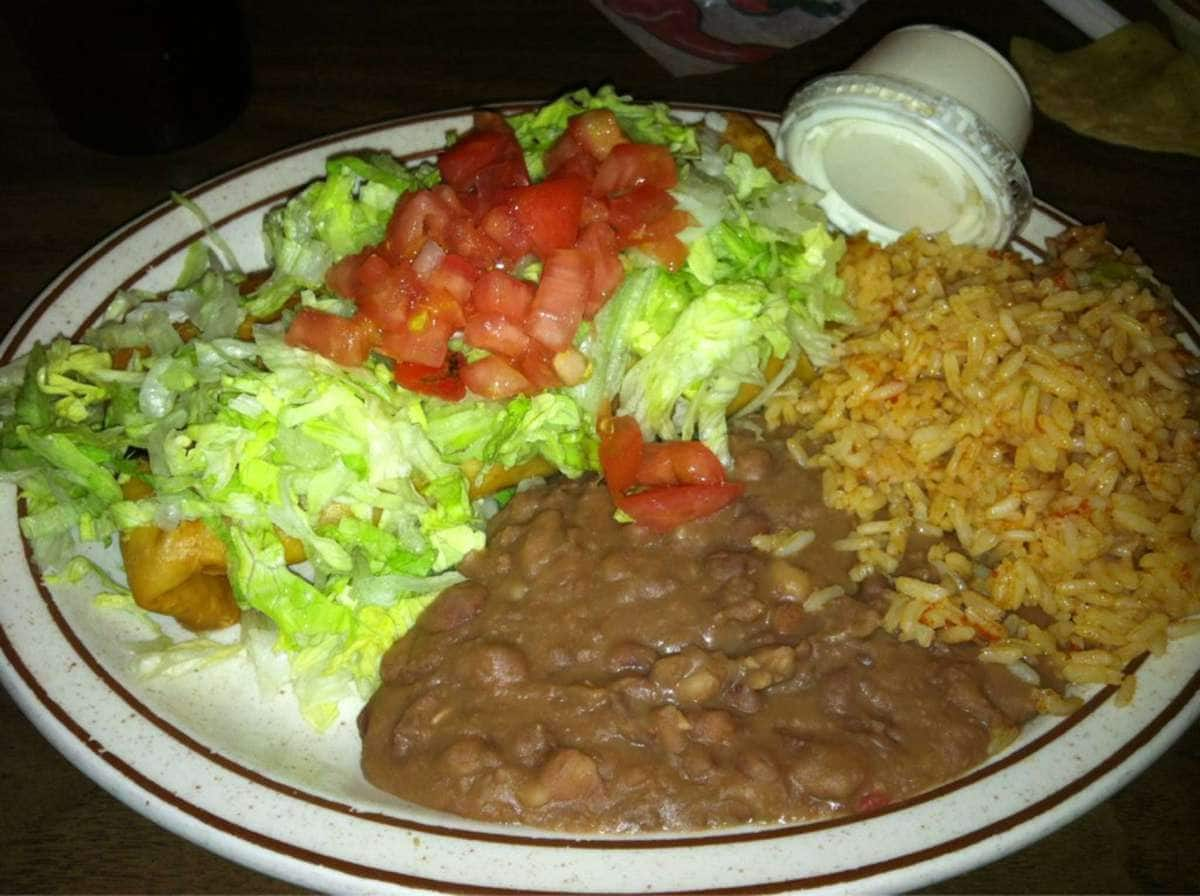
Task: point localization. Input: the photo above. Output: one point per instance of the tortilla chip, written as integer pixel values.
(1130, 87)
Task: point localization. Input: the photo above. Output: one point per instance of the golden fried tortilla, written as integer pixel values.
(745, 134)
(1130, 87)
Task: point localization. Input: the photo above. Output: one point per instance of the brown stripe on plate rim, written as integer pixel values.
(666, 842)
(131, 774)
(75, 271)
(382, 818)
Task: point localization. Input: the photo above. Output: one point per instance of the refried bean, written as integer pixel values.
(591, 675)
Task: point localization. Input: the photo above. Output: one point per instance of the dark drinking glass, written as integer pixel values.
(137, 76)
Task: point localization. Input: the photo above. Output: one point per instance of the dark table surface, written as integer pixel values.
(319, 68)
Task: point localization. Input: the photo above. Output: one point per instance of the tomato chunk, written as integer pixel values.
(666, 507)
(621, 447)
(686, 480)
(341, 277)
(632, 164)
(600, 244)
(494, 377)
(596, 132)
(484, 163)
(422, 340)
(550, 212)
(444, 381)
(638, 207)
(567, 157)
(418, 216)
(496, 333)
(537, 366)
(496, 292)
(561, 296)
(346, 340)
(385, 292)
(680, 463)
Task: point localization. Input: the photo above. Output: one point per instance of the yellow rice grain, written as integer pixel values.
(1039, 423)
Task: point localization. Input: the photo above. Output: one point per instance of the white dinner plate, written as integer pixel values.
(213, 759)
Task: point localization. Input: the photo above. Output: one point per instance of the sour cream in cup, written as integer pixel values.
(925, 131)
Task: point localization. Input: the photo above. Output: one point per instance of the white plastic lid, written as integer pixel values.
(891, 154)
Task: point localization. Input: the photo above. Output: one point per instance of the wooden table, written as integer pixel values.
(321, 68)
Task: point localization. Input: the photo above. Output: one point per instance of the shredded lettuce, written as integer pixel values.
(262, 440)
(642, 122)
(332, 218)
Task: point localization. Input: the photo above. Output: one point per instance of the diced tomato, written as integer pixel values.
(680, 463)
(686, 479)
(537, 366)
(873, 800)
(638, 207)
(422, 340)
(560, 298)
(485, 162)
(340, 278)
(454, 275)
(500, 224)
(346, 340)
(666, 507)
(465, 239)
(496, 333)
(594, 211)
(496, 292)
(669, 251)
(449, 200)
(659, 239)
(385, 292)
(494, 377)
(418, 216)
(445, 307)
(600, 244)
(632, 164)
(549, 212)
(621, 447)
(566, 157)
(596, 132)
(444, 381)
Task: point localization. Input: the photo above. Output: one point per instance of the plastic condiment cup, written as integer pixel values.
(923, 132)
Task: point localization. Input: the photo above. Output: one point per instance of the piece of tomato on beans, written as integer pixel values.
(679, 463)
(666, 507)
(633, 164)
(444, 381)
(346, 340)
(494, 377)
(661, 485)
(621, 447)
